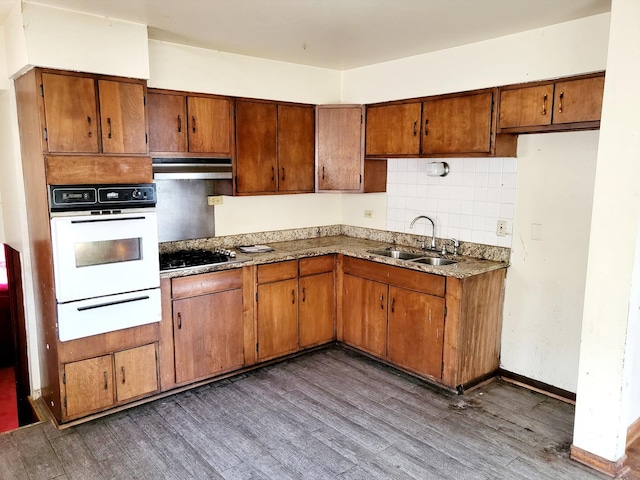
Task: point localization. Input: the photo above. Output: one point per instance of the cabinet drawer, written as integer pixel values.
(401, 277)
(314, 265)
(274, 272)
(194, 285)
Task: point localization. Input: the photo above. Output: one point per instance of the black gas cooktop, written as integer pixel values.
(195, 258)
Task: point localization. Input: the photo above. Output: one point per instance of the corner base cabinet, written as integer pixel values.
(443, 329)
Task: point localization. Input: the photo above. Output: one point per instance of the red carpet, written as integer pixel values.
(8, 400)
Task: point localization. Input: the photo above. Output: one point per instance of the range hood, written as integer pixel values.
(192, 169)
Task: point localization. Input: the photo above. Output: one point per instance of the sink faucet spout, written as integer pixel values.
(433, 230)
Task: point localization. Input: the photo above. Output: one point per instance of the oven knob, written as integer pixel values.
(136, 194)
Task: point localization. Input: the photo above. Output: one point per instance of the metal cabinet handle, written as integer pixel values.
(193, 123)
(273, 173)
(109, 126)
(426, 122)
(393, 305)
(415, 128)
(560, 104)
(304, 294)
(106, 384)
(381, 302)
(544, 104)
(123, 377)
(283, 174)
(293, 296)
(179, 320)
(90, 132)
(179, 123)
(323, 172)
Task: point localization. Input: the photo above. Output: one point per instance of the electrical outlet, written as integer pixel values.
(368, 214)
(501, 229)
(214, 200)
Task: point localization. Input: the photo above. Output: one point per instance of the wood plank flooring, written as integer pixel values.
(332, 414)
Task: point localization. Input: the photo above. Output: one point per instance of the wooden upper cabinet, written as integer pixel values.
(339, 147)
(257, 147)
(181, 123)
(578, 100)
(569, 104)
(71, 106)
(393, 129)
(526, 106)
(124, 128)
(167, 122)
(460, 124)
(296, 137)
(71, 113)
(209, 126)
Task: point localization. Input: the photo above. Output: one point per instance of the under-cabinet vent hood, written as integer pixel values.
(192, 168)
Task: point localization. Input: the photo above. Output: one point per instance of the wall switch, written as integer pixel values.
(368, 214)
(501, 229)
(214, 200)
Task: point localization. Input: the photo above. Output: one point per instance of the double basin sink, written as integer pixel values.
(413, 257)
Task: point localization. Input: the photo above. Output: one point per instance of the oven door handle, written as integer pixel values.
(108, 220)
(109, 304)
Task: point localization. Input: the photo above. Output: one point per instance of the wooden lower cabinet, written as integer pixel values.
(92, 385)
(208, 331)
(364, 309)
(416, 331)
(317, 306)
(277, 318)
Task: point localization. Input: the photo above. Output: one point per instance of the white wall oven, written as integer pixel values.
(105, 258)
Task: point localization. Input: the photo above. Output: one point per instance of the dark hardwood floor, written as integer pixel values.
(330, 414)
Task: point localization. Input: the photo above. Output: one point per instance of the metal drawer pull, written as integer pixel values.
(107, 220)
(123, 378)
(561, 100)
(544, 104)
(106, 384)
(179, 124)
(109, 304)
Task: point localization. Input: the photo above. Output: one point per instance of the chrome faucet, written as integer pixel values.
(433, 231)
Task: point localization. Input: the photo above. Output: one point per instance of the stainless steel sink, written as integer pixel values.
(436, 262)
(399, 254)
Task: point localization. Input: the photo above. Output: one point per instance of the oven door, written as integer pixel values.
(94, 256)
(107, 314)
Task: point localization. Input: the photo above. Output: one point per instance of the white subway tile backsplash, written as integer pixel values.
(465, 204)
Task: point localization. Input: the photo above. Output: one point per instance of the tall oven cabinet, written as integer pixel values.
(80, 129)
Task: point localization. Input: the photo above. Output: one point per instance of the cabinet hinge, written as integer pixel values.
(64, 378)
(46, 135)
(41, 90)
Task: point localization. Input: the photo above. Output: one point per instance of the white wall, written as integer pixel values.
(604, 379)
(566, 49)
(14, 41)
(354, 205)
(4, 78)
(545, 283)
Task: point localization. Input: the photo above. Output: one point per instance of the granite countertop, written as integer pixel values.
(466, 266)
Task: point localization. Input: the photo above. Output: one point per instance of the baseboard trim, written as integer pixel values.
(614, 469)
(633, 432)
(537, 386)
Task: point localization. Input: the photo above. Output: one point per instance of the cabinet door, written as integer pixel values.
(136, 372)
(339, 148)
(89, 385)
(208, 334)
(296, 138)
(364, 310)
(416, 325)
(71, 113)
(393, 130)
(457, 125)
(578, 100)
(124, 128)
(256, 143)
(277, 318)
(526, 106)
(209, 125)
(317, 309)
(167, 122)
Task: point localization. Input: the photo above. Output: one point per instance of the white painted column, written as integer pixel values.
(603, 393)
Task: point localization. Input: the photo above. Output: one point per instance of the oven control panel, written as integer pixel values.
(100, 197)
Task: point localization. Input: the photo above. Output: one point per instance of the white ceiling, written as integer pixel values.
(337, 34)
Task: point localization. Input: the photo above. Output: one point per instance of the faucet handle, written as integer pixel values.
(422, 244)
(456, 244)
